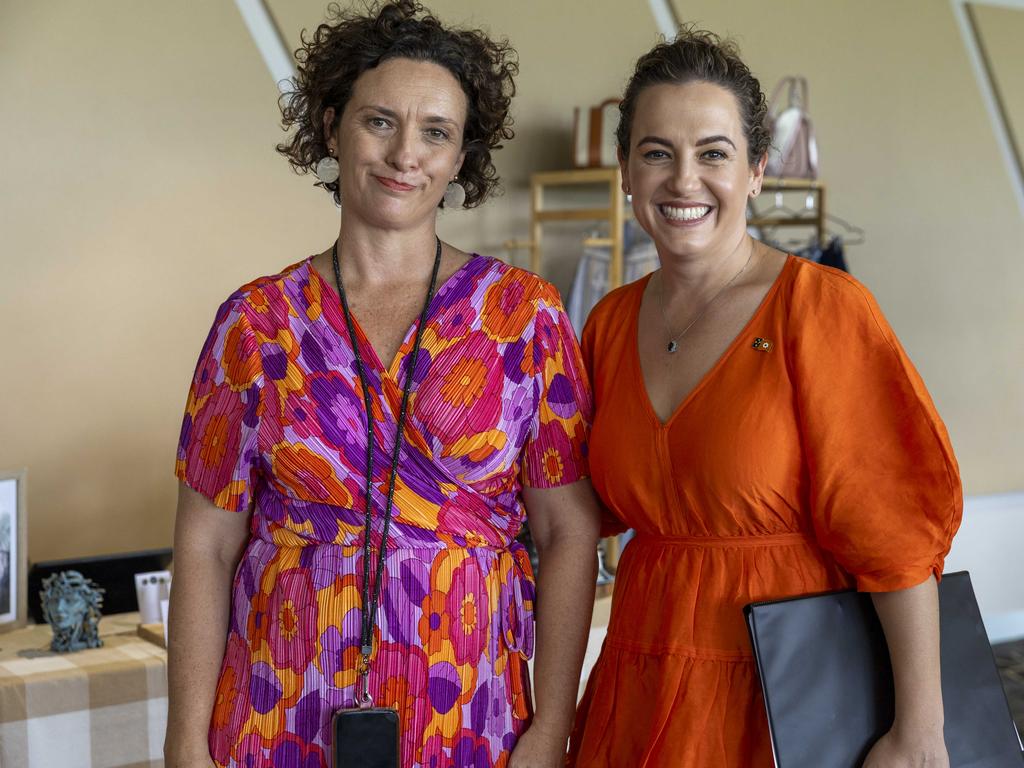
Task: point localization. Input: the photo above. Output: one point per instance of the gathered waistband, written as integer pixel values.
(512, 561)
(724, 542)
(393, 546)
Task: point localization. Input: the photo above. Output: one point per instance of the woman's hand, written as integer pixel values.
(918, 749)
(538, 748)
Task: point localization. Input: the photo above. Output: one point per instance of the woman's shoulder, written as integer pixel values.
(616, 305)
(834, 302)
(810, 279)
(258, 285)
(530, 286)
(256, 292)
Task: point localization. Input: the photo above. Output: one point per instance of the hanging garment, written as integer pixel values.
(590, 283)
(832, 255)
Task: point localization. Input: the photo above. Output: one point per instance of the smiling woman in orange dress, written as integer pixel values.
(759, 425)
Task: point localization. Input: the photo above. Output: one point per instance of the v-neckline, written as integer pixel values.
(634, 334)
(363, 340)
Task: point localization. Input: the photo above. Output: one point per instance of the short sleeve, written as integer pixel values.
(885, 489)
(218, 452)
(555, 451)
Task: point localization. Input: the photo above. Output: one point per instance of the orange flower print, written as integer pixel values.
(553, 467)
(308, 475)
(464, 382)
(239, 357)
(507, 311)
(435, 623)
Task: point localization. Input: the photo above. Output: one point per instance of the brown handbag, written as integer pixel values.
(593, 135)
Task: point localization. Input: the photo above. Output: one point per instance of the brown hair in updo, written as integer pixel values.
(699, 56)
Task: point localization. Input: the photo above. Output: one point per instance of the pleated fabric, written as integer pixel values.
(809, 458)
(275, 423)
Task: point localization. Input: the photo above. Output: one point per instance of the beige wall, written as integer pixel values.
(139, 187)
(1001, 31)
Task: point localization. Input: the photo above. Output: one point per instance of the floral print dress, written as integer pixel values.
(275, 423)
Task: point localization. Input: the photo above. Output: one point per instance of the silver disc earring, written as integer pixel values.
(327, 169)
(454, 195)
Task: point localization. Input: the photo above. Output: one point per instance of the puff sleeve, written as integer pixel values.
(555, 451)
(885, 490)
(218, 451)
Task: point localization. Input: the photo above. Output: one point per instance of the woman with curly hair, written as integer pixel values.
(366, 431)
(759, 426)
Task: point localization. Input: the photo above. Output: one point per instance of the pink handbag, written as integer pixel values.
(793, 152)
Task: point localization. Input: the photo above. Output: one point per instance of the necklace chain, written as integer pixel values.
(673, 339)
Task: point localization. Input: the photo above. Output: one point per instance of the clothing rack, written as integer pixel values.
(812, 187)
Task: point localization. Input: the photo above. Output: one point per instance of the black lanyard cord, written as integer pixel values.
(370, 597)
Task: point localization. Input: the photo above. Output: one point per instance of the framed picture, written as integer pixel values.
(13, 550)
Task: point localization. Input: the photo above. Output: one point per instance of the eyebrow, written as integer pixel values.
(715, 140)
(437, 119)
(654, 140)
(700, 143)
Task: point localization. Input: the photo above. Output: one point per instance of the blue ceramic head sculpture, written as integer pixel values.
(71, 606)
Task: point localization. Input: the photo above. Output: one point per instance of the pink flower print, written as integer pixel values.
(269, 310)
(462, 396)
(215, 439)
(300, 415)
(292, 619)
(469, 611)
(231, 704)
(454, 320)
(398, 679)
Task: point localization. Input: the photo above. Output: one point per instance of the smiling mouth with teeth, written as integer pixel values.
(689, 213)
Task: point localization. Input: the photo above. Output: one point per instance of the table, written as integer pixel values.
(98, 708)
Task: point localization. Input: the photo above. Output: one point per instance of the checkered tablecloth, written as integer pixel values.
(99, 708)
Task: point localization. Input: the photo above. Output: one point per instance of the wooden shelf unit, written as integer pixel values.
(614, 213)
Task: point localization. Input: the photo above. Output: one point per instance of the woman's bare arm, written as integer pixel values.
(910, 618)
(208, 543)
(564, 523)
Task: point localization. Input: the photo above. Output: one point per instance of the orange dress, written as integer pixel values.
(816, 464)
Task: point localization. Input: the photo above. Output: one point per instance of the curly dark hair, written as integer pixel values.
(351, 42)
(697, 55)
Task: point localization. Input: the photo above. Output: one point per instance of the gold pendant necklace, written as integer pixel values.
(673, 339)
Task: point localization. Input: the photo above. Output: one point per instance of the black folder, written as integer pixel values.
(827, 680)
